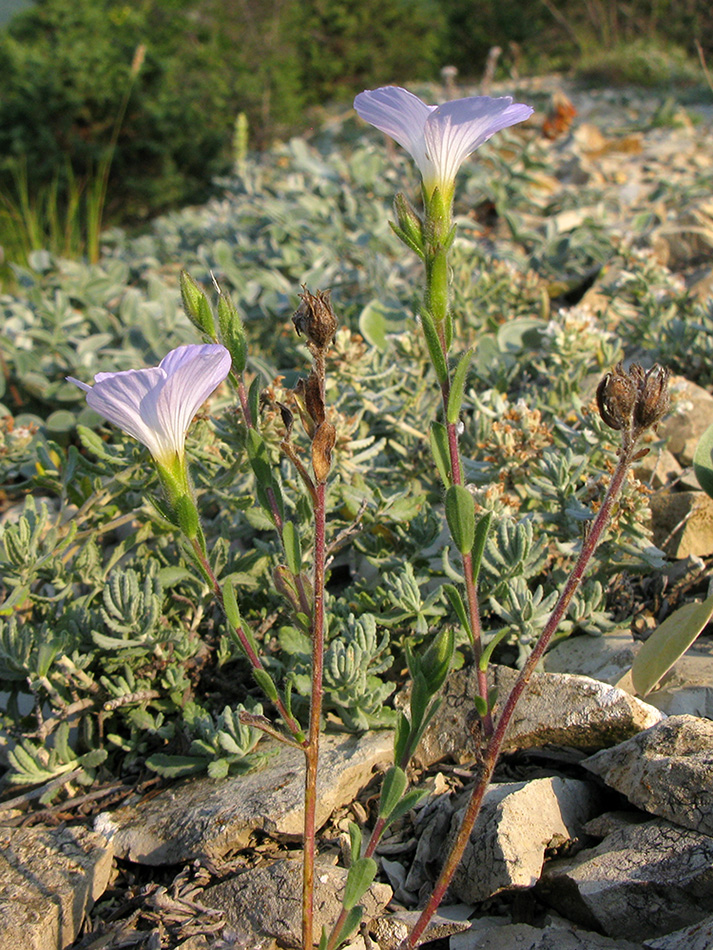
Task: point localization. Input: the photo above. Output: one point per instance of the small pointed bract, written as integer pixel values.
(157, 405)
(439, 138)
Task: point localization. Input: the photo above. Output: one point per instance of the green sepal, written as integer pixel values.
(232, 332)
(162, 508)
(196, 305)
(266, 684)
(453, 594)
(437, 286)
(460, 515)
(455, 397)
(434, 346)
(393, 787)
(438, 438)
(187, 516)
(405, 239)
(293, 550)
(359, 880)
(481, 537)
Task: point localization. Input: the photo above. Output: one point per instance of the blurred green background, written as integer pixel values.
(111, 112)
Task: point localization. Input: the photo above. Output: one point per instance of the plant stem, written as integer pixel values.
(494, 746)
(471, 592)
(315, 717)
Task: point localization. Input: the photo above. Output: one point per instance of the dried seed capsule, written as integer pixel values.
(616, 398)
(654, 400)
(315, 318)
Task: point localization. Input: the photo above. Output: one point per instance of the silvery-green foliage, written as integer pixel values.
(525, 611)
(514, 550)
(33, 763)
(218, 744)
(352, 664)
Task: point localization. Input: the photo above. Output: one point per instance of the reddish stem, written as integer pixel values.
(494, 746)
(311, 750)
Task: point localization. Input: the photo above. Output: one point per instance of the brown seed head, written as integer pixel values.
(315, 318)
(634, 401)
(616, 397)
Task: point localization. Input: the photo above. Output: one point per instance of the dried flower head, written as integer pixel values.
(315, 318)
(634, 400)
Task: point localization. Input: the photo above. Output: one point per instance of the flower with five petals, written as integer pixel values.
(439, 138)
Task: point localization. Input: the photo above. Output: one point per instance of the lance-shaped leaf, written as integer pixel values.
(668, 643)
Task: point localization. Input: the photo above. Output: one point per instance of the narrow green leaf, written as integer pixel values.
(361, 874)
(436, 661)
(438, 437)
(266, 684)
(419, 700)
(354, 841)
(703, 461)
(460, 515)
(409, 800)
(668, 643)
(453, 594)
(455, 398)
(230, 604)
(492, 643)
(254, 400)
(293, 551)
(324, 939)
(434, 347)
(482, 529)
(393, 787)
(401, 737)
(352, 921)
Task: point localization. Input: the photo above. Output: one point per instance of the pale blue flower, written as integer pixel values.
(439, 138)
(157, 405)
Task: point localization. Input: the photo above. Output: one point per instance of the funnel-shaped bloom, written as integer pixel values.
(157, 405)
(439, 138)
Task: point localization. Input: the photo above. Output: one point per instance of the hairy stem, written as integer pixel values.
(315, 715)
(495, 744)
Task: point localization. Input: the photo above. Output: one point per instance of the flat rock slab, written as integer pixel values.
(516, 824)
(49, 879)
(642, 881)
(667, 771)
(390, 931)
(206, 818)
(525, 937)
(267, 901)
(556, 709)
(697, 937)
(687, 688)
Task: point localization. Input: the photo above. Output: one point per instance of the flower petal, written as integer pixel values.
(192, 374)
(456, 129)
(156, 405)
(398, 113)
(119, 397)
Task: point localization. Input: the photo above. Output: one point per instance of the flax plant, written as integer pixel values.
(439, 139)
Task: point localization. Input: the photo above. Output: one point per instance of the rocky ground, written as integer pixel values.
(598, 831)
